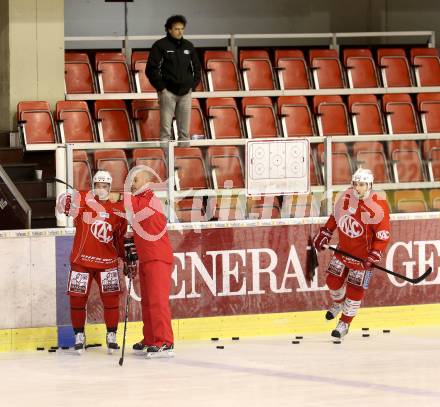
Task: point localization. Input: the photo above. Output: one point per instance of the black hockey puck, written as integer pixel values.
(51, 350)
(39, 348)
(365, 335)
(299, 337)
(214, 339)
(337, 342)
(386, 331)
(235, 338)
(365, 329)
(54, 347)
(220, 347)
(295, 342)
(64, 347)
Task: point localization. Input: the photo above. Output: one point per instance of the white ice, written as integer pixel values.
(397, 369)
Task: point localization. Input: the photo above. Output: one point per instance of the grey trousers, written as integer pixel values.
(179, 106)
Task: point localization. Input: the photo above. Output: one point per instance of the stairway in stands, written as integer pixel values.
(21, 166)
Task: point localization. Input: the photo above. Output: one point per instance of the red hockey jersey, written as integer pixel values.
(149, 227)
(363, 225)
(100, 229)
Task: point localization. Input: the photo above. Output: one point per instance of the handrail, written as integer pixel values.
(17, 195)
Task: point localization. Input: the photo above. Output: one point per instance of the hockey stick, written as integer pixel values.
(411, 280)
(121, 359)
(63, 182)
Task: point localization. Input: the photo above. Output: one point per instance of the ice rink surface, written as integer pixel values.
(401, 368)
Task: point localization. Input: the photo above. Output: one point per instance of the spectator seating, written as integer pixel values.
(361, 69)
(78, 73)
(74, 122)
(113, 74)
(292, 70)
(257, 70)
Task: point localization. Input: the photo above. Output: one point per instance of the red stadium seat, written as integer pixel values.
(292, 69)
(257, 70)
(261, 121)
(407, 163)
(146, 115)
(371, 155)
(190, 210)
(315, 176)
(434, 163)
(226, 167)
(267, 207)
(400, 112)
(296, 118)
(221, 70)
(332, 115)
(361, 69)
(224, 118)
(326, 68)
(75, 122)
(112, 72)
(197, 128)
(229, 208)
(366, 114)
(138, 64)
(426, 65)
(82, 174)
(394, 67)
(154, 159)
(190, 169)
(36, 123)
(78, 74)
(341, 163)
(428, 105)
(115, 162)
(410, 201)
(113, 120)
(434, 199)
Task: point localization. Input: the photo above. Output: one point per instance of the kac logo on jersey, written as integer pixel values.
(350, 226)
(383, 235)
(102, 231)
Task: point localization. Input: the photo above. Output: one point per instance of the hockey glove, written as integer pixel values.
(374, 256)
(322, 238)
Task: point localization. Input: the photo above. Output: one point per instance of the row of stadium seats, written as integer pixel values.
(256, 70)
(224, 118)
(219, 168)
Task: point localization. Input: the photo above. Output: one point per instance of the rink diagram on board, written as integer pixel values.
(399, 368)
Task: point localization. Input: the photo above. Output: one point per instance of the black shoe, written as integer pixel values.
(139, 347)
(164, 351)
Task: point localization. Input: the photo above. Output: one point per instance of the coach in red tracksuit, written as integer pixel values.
(155, 266)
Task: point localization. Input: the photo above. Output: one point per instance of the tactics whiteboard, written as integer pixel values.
(278, 167)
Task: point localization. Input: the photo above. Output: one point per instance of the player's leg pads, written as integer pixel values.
(164, 351)
(350, 307)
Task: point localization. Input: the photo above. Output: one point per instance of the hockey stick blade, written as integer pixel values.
(410, 280)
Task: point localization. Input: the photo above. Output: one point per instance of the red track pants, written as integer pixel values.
(155, 284)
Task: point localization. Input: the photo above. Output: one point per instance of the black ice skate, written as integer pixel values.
(163, 351)
(139, 347)
(80, 342)
(112, 345)
(341, 330)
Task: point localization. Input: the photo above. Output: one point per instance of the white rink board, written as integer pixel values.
(28, 287)
(278, 167)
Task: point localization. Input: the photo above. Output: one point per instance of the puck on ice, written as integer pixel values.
(365, 335)
(214, 339)
(336, 342)
(64, 347)
(54, 347)
(386, 331)
(299, 337)
(51, 350)
(295, 342)
(220, 347)
(39, 348)
(235, 338)
(365, 329)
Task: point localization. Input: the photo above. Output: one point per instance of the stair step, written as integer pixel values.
(21, 171)
(4, 139)
(32, 189)
(43, 222)
(42, 207)
(11, 155)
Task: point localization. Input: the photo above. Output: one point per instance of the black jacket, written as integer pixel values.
(173, 65)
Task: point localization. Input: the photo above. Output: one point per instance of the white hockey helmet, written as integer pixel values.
(363, 175)
(102, 176)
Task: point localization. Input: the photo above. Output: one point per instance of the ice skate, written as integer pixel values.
(341, 330)
(112, 345)
(163, 351)
(333, 311)
(80, 342)
(140, 348)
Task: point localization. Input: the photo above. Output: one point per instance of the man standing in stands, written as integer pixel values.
(363, 222)
(174, 70)
(155, 266)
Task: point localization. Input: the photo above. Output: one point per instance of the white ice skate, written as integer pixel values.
(112, 345)
(341, 330)
(333, 311)
(163, 351)
(80, 342)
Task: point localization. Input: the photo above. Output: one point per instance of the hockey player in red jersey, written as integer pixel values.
(98, 242)
(155, 266)
(363, 223)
